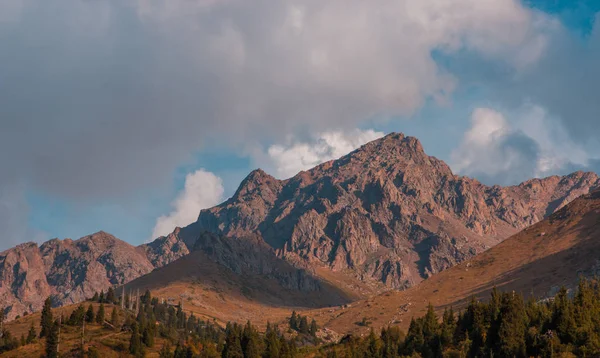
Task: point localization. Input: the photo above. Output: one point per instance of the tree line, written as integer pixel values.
(507, 325)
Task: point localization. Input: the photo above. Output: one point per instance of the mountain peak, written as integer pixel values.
(394, 146)
(254, 181)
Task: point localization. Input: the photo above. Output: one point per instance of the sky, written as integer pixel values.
(132, 116)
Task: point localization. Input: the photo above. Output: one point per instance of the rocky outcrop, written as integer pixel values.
(386, 212)
(252, 256)
(166, 249)
(69, 271)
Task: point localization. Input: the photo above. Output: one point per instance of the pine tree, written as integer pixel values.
(32, 334)
(313, 328)
(78, 316)
(89, 315)
(110, 296)
(100, 315)
(448, 328)
(114, 317)
(233, 343)
(513, 324)
(563, 317)
(101, 297)
(431, 334)
(95, 298)
(391, 338)
(46, 321)
(146, 298)
(303, 326)
(250, 342)
(135, 342)
(148, 335)
(52, 341)
(374, 347)
(272, 344)
(294, 321)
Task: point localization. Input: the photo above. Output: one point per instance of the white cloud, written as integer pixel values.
(286, 160)
(202, 190)
(502, 151)
(125, 91)
(126, 82)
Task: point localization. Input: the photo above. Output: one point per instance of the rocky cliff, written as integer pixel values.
(386, 212)
(67, 270)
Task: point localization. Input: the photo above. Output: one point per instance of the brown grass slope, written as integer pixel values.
(108, 342)
(214, 285)
(536, 261)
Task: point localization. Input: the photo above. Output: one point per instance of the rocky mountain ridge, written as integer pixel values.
(386, 214)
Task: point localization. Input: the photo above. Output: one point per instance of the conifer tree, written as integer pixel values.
(294, 321)
(78, 316)
(46, 321)
(95, 298)
(513, 324)
(373, 349)
(272, 344)
(303, 326)
(101, 297)
(233, 343)
(146, 298)
(135, 342)
(52, 341)
(110, 296)
(89, 315)
(313, 328)
(250, 342)
(100, 315)
(32, 334)
(114, 318)
(148, 335)
(563, 318)
(414, 338)
(431, 334)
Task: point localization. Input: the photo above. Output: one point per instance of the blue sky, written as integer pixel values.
(113, 115)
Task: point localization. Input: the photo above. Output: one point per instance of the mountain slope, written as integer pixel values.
(537, 261)
(386, 212)
(238, 280)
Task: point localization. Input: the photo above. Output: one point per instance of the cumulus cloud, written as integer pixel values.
(563, 81)
(99, 90)
(501, 151)
(202, 190)
(286, 160)
(104, 99)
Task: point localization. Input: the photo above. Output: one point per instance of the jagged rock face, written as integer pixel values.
(166, 249)
(69, 271)
(386, 212)
(23, 284)
(252, 256)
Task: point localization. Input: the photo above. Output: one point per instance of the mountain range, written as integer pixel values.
(384, 217)
(536, 263)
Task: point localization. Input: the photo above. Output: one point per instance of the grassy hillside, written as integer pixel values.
(107, 341)
(535, 262)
